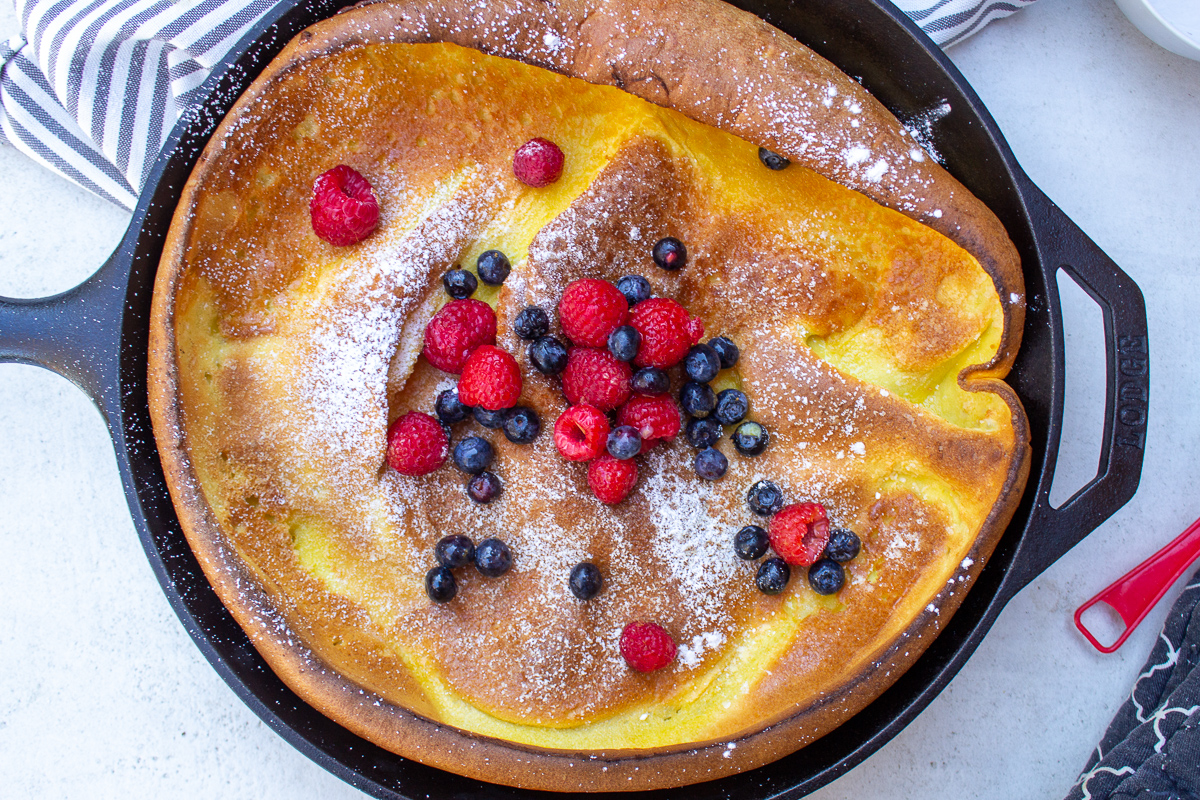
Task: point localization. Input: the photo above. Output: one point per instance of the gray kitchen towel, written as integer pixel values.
(950, 21)
(1151, 750)
(92, 88)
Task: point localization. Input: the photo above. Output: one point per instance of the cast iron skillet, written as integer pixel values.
(96, 336)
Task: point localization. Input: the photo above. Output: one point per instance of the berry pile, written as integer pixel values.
(609, 327)
(491, 557)
(709, 411)
(614, 356)
(801, 535)
(461, 339)
(613, 367)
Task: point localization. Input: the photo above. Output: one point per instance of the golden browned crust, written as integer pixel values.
(653, 51)
(729, 69)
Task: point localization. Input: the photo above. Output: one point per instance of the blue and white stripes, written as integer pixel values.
(951, 21)
(93, 87)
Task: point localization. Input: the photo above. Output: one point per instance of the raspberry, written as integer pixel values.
(799, 532)
(612, 479)
(456, 330)
(646, 646)
(343, 208)
(654, 417)
(538, 162)
(590, 310)
(695, 329)
(596, 377)
(666, 332)
(416, 444)
(490, 379)
(581, 433)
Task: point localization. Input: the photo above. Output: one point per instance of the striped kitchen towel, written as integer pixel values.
(92, 88)
(948, 22)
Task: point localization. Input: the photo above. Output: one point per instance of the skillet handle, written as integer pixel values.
(1064, 246)
(76, 334)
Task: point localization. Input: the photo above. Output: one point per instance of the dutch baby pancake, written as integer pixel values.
(583, 396)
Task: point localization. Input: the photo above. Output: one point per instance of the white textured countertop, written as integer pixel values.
(104, 694)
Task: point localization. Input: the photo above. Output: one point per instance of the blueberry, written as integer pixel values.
(773, 576)
(727, 351)
(826, 576)
(473, 455)
(650, 381)
(459, 283)
(454, 551)
(670, 254)
(635, 288)
(624, 342)
(750, 438)
(843, 545)
(703, 432)
(701, 363)
(548, 355)
(732, 406)
(711, 464)
(532, 323)
(751, 542)
(440, 585)
(449, 408)
(490, 419)
(493, 267)
(522, 425)
(585, 581)
(483, 488)
(624, 441)
(764, 498)
(492, 557)
(772, 160)
(697, 399)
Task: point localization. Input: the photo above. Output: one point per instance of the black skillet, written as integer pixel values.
(96, 335)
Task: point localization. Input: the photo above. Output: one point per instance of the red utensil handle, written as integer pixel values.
(1134, 594)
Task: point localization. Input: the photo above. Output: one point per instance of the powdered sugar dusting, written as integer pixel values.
(903, 539)
(690, 652)
(338, 392)
(856, 154)
(921, 127)
(691, 542)
(364, 339)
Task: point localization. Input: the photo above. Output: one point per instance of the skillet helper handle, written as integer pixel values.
(1135, 593)
(1127, 398)
(75, 334)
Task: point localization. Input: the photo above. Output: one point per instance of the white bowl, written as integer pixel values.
(1173, 24)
